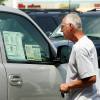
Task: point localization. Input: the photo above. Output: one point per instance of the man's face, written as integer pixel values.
(66, 29)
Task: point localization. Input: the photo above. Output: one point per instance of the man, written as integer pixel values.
(82, 81)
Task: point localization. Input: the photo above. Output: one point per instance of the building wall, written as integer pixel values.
(52, 4)
(11, 3)
(43, 5)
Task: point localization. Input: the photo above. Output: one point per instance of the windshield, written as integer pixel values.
(57, 32)
(90, 23)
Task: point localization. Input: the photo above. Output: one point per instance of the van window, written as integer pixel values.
(23, 42)
(91, 24)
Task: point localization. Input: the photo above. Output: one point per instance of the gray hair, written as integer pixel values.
(74, 19)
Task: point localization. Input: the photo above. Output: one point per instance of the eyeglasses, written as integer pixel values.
(63, 25)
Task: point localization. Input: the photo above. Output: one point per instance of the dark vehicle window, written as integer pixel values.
(22, 40)
(47, 23)
(91, 24)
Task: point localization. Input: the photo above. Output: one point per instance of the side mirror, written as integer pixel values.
(63, 53)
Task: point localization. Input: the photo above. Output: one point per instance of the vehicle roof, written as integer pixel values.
(47, 13)
(43, 14)
(89, 13)
(45, 10)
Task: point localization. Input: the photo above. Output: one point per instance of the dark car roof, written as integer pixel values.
(89, 13)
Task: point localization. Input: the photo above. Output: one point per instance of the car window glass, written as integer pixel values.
(47, 23)
(91, 24)
(57, 33)
(22, 40)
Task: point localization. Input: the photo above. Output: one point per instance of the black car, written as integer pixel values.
(47, 19)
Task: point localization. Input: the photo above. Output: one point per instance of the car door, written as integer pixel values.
(27, 56)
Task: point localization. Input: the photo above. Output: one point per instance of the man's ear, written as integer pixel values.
(72, 28)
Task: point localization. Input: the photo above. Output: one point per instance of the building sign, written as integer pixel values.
(97, 6)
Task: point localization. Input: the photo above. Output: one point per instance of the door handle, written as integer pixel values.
(15, 80)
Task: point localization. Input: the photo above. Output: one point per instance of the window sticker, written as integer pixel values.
(13, 45)
(33, 52)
